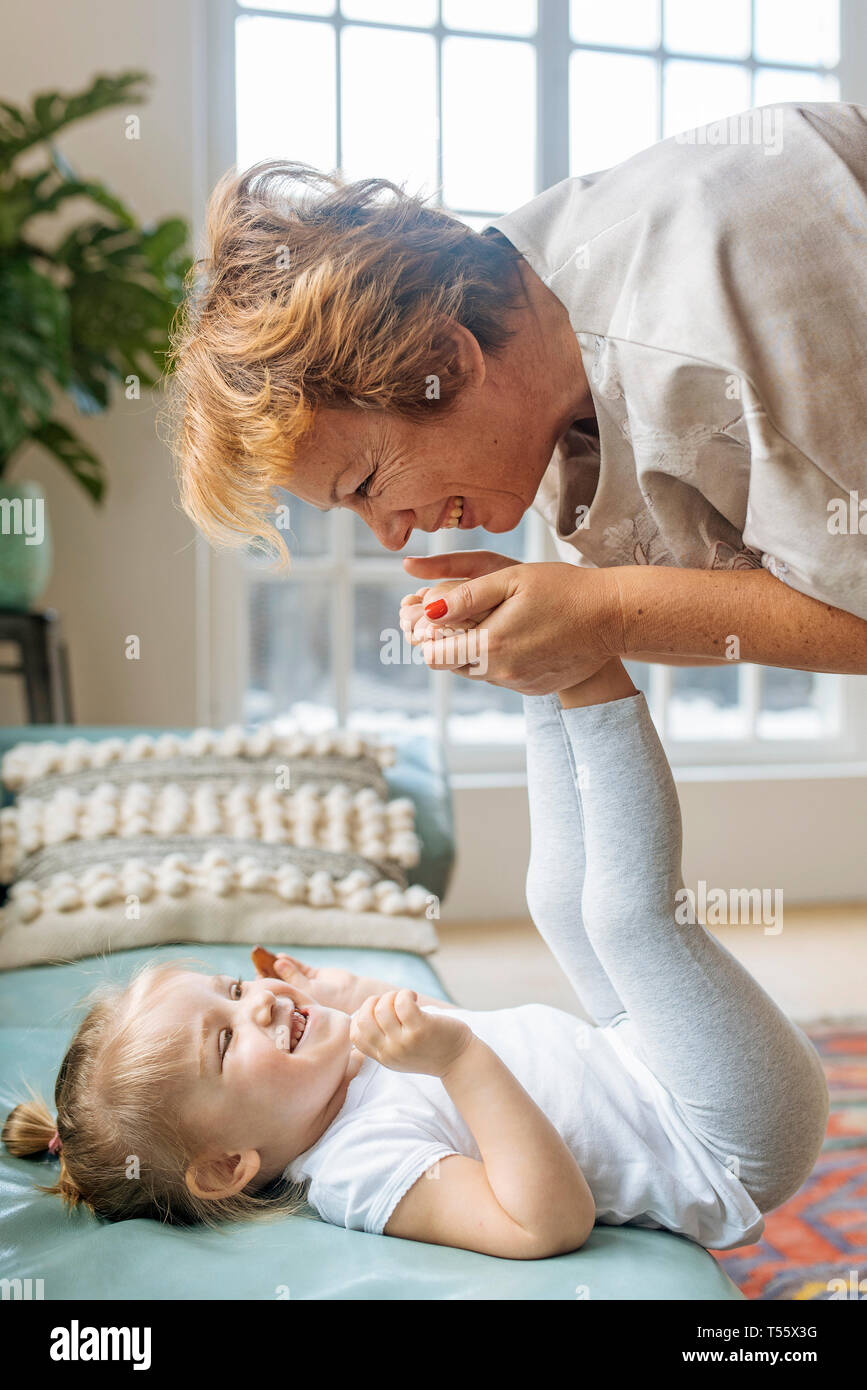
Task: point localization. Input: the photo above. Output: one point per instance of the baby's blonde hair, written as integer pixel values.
(315, 291)
(125, 1149)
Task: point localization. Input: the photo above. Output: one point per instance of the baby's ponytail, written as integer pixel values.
(29, 1132)
(29, 1129)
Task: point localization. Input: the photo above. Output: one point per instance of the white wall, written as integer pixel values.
(129, 566)
(795, 831)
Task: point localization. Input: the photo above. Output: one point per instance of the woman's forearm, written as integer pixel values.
(530, 1170)
(731, 615)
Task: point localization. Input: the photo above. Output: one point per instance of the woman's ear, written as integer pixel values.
(215, 1178)
(459, 352)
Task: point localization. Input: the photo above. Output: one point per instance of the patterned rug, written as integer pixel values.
(815, 1246)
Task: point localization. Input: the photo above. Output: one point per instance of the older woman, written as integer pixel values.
(666, 359)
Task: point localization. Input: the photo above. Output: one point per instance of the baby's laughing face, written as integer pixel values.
(264, 1071)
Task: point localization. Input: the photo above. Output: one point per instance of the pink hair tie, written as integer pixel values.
(55, 1143)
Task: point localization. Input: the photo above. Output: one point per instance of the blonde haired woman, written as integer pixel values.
(664, 358)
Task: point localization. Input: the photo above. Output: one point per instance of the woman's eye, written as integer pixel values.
(227, 1034)
(363, 488)
(239, 986)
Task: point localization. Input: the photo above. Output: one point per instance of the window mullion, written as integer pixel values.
(552, 94)
(343, 606)
(750, 697)
(439, 686)
(660, 695)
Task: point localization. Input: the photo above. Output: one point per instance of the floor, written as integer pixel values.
(816, 967)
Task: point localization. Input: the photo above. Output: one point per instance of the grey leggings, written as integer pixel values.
(604, 869)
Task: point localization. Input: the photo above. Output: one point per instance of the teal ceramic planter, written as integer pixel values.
(25, 545)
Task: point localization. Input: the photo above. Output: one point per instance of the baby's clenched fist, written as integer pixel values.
(393, 1030)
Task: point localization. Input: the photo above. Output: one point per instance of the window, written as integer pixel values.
(498, 99)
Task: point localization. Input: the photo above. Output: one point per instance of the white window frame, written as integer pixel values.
(223, 577)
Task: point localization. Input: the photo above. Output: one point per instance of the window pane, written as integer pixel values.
(798, 31)
(286, 91)
(613, 104)
(389, 107)
(776, 84)
(639, 674)
(697, 93)
(494, 16)
(483, 713)
(721, 31)
(390, 682)
(478, 224)
(503, 542)
(795, 704)
(366, 543)
(489, 123)
(305, 530)
(289, 648)
(630, 23)
(705, 703)
(415, 12)
(303, 6)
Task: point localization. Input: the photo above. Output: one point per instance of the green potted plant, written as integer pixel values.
(82, 311)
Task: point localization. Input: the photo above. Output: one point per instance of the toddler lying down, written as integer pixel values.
(690, 1103)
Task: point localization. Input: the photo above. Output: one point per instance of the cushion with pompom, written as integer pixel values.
(219, 835)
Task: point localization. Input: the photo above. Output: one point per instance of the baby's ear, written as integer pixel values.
(213, 1179)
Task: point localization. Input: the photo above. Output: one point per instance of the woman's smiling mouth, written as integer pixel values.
(450, 515)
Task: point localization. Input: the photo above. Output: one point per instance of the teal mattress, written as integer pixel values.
(298, 1257)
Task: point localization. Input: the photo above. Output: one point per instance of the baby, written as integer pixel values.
(690, 1102)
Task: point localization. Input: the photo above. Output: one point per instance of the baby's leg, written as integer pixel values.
(555, 876)
(747, 1079)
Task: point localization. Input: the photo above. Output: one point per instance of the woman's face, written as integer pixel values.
(247, 1084)
(411, 472)
(491, 449)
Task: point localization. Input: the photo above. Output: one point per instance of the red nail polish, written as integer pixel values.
(436, 610)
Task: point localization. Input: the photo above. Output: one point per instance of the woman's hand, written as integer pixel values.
(327, 984)
(393, 1030)
(450, 569)
(543, 627)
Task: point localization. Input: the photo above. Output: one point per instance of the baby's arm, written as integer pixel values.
(527, 1198)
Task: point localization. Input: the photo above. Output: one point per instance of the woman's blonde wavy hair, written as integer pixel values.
(125, 1149)
(315, 291)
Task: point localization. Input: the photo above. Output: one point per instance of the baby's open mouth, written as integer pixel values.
(299, 1024)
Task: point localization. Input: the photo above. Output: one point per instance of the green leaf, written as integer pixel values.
(50, 112)
(84, 188)
(84, 465)
(34, 322)
(161, 244)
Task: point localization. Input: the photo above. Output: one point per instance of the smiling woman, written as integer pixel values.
(321, 299)
(363, 351)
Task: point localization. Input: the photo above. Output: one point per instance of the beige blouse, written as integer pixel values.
(717, 286)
